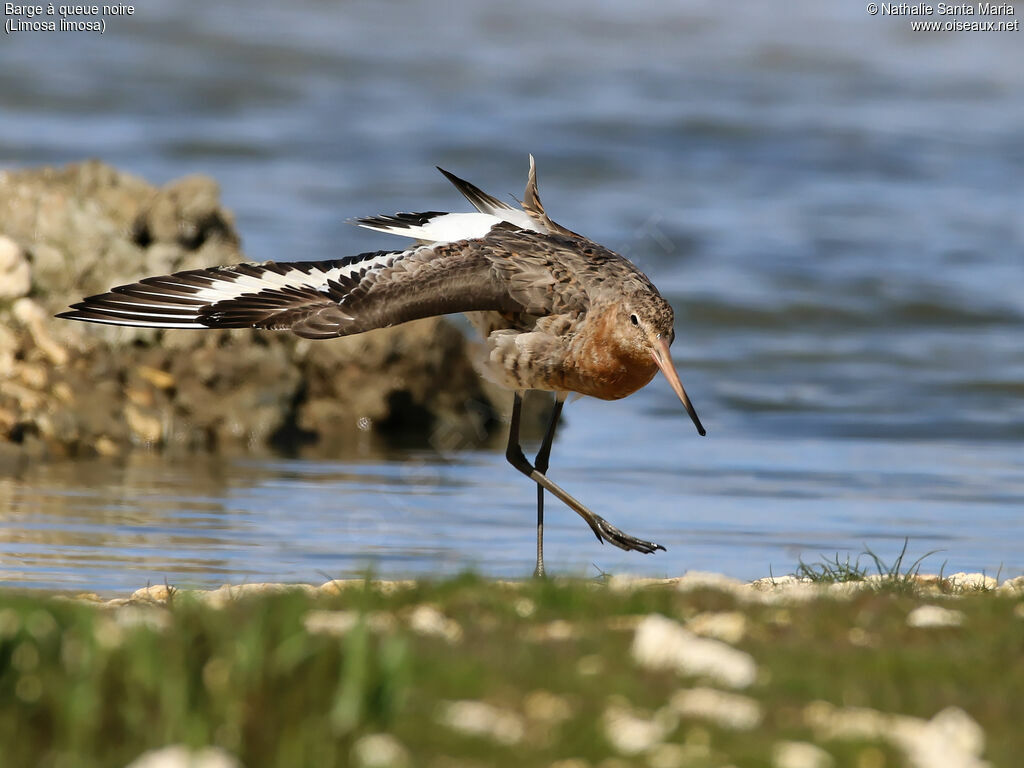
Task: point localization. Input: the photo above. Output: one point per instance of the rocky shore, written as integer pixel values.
(68, 389)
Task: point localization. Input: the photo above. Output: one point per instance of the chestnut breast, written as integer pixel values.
(602, 364)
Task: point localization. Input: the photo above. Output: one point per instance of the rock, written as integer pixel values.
(340, 623)
(179, 756)
(15, 273)
(800, 754)
(971, 582)
(698, 580)
(157, 593)
(546, 707)
(934, 616)
(1013, 586)
(726, 710)
(478, 718)
(380, 750)
(662, 643)
(80, 230)
(631, 732)
(428, 621)
(145, 426)
(229, 593)
(32, 317)
(727, 626)
(951, 738)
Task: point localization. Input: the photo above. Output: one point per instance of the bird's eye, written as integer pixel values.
(634, 320)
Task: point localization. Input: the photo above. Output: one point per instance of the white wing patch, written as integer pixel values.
(439, 228)
(446, 227)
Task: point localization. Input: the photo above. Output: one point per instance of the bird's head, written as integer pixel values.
(645, 326)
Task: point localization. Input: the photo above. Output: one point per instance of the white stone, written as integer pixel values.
(179, 756)
(844, 589)
(694, 580)
(800, 754)
(524, 607)
(1013, 586)
(133, 616)
(15, 271)
(727, 626)
(544, 706)
(967, 582)
(337, 623)
(340, 623)
(477, 718)
(426, 620)
(558, 630)
(632, 733)
(625, 583)
(218, 598)
(951, 739)
(934, 616)
(727, 710)
(379, 750)
(661, 643)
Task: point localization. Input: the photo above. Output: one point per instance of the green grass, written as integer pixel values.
(92, 687)
(893, 577)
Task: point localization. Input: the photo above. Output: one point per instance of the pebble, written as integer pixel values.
(155, 593)
(934, 616)
(477, 718)
(546, 707)
(951, 739)
(631, 732)
(967, 582)
(800, 754)
(727, 626)
(428, 621)
(221, 596)
(727, 710)
(662, 643)
(380, 750)
(340, 623)
(340, 586)
(558, 630)
(1013, 586)
(180, 756)
(696, 580)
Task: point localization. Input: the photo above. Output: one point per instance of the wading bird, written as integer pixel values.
(557, 311)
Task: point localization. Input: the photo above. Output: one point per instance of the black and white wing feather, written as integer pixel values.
(321, 299)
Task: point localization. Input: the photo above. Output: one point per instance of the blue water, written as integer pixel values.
(831, 201)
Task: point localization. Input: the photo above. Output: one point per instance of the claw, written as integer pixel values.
(624, 541)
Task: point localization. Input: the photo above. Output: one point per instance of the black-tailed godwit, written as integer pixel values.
(558, 312)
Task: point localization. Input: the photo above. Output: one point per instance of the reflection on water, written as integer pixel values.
(738, 505)
(831, 202)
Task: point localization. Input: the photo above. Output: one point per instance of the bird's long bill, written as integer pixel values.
(664, 360)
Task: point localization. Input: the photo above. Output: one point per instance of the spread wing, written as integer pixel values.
(506, 271)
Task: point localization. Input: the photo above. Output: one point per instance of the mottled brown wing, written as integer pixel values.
(507, 271)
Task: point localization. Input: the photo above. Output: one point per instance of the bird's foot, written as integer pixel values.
(607, 532)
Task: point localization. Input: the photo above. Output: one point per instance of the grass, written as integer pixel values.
(92, 687)
(891, 577)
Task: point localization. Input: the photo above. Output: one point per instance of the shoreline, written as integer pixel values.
(764, 590)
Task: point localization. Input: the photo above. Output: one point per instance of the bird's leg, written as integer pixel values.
(541, 465)
(604, 530)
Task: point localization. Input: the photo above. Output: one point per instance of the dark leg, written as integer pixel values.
(604, 530)
(541, 465)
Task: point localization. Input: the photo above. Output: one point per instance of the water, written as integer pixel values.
(831, 202)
